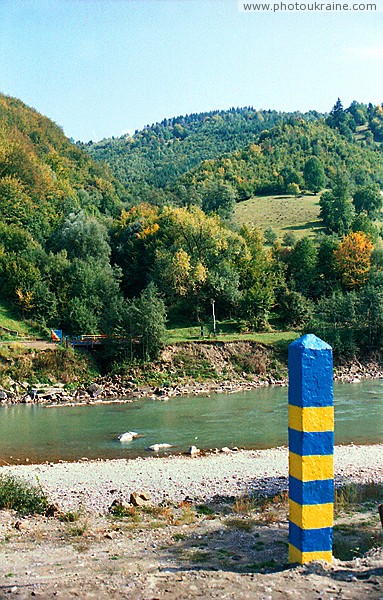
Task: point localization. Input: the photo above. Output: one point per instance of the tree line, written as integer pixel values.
(78, 252)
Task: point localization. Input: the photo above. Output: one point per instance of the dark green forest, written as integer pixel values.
(125, 235)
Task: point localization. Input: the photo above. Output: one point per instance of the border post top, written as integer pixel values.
(309, 341)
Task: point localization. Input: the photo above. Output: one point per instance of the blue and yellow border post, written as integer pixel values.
(311, 450)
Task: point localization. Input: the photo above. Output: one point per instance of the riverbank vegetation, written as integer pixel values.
(22, 367)
(151, 255)
(21, 496)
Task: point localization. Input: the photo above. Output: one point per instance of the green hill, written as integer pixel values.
(55, 205)
(282, 213)
(248, 148)
(43, 176)
(85, 253)
(159, 154)
(279, 155)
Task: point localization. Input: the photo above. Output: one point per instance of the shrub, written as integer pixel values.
(293, 189)
(21, 496)
(270, 236)
(289, 239)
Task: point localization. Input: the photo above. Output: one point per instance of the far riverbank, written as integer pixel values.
(125, 389)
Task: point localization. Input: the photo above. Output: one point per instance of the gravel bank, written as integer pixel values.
(95, 484)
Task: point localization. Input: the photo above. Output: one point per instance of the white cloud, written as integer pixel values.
(374, 52)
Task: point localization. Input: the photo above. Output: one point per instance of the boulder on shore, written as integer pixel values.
(139, 498)
(193, 450)
(94, 390)
(156, 447)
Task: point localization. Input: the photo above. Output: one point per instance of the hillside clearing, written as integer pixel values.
(9, 321)
(297, 214)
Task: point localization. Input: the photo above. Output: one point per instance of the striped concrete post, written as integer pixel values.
(311, 450)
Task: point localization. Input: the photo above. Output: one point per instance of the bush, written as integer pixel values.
(295, 309)
(270, 236)
(293, 189)
(289, 239)
(22, 496)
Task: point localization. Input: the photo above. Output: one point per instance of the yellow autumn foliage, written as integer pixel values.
(353, 259)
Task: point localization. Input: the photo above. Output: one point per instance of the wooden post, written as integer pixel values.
(311, 450)
(380, 510)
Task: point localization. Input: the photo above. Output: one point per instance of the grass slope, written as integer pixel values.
(297, 214)
(8, 320)
(226, 332)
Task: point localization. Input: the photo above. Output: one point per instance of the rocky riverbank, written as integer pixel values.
(199, 478)
(118, 388)
(207, 529)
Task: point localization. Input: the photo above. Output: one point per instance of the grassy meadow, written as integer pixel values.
(284, 214)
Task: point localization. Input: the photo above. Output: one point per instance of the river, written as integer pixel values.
(254, 419)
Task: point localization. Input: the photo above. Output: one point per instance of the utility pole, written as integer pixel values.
(214, 327)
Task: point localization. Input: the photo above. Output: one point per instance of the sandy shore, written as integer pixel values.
(95, 484)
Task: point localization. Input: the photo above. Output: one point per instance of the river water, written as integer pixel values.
(254, 419)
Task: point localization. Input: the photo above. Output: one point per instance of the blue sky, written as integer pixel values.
(106, 67)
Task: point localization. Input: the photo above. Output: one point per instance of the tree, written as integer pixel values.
(289, 239)
(337, 114)
(219, 198)
(15, 205)
(293, 189)
(353, 258)
(336, 208)
(368, 198)
(363, 223)
(358, 112)
(92, 291)
(314, 176)
(294, 309)
(260, 276)
(334, 320)
(82, 237)
(146, 322)
(195, 253)
(290, 176)
(179, 274)
(270, 236)
(302, 264)
(327, 271)
(370, 321)
(257, 302)
(134, 241)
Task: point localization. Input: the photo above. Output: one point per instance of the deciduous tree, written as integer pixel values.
(314, 175)
(353, 258)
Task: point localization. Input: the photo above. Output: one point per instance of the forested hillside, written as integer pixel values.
(256, 151)
(55, 204)
(81, 251)
(159, 154)
(279, 155)
(44, 176)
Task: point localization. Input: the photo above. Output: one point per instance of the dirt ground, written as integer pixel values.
(188, 551)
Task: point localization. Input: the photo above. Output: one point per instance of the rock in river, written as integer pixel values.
(128, 436)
